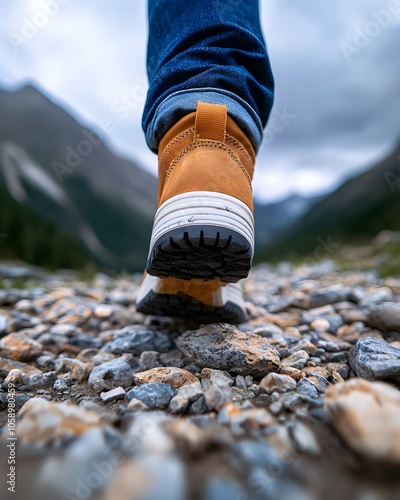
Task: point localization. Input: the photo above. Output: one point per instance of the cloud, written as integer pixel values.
(346, 113)
(91, 54)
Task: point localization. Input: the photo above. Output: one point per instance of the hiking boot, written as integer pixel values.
(197, 300)
(204, 226)
(203, 230)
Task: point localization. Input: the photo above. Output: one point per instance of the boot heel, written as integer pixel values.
(203, 235)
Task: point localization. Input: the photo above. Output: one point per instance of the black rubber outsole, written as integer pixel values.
(204, 252)
(181, 305)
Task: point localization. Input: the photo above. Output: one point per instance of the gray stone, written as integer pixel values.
(240, 382)
(276, 408)
(335, 322)
(186, 395)
(61, 384)
(268, 330)
(338, 346)
(149, 360)
(366, 415)
(42, 380)
(217, 392)
(296, 360)
(380, 297)
(113, 395)
(276, 382)
(357, 294)
(45, 361)
(199, 407)
(375, 359)
(224, 347)
(210, 374)
(329, 295)
(319, 312)
(136, 405)
(307, 388)
(154, 395)
(385, 316)
(137, 341)
(292, 400)
(320, 382)
(117, 372)
(305, 439)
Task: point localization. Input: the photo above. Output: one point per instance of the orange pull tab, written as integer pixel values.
(211, 121)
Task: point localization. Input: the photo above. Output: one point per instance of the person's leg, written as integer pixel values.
(210, 95)
(211, 51)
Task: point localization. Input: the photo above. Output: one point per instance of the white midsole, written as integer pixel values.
(203, 208)
(232, 292)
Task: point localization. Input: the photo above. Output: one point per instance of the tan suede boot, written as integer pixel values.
(203, 233)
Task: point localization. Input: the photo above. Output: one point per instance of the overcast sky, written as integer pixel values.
(336, 67)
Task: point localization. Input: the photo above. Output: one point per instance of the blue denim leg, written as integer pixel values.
(211, 51)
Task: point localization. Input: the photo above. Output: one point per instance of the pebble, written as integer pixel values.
(296, 360)
(8, 364)
(136, 341)
(304, 345)
(316, 313)
(329, 295)
(103, 311)
(108, 375)
(375, 359)
(210, 374)
(137, 405)
(241, 382)
(42, 380)
(307, 388)
(292, 400)
(305, 439)
(73, 310)
(78, 371)
(186, 395)
(154, 395)
(224, 347)
(19, 347)
(366, 415)
(385, 317)
(113, 395)
(176, 377)
(16, 378)
(217, 389)
(292, 372)
(277, 382)
(44, 423)
(149, 359)
(320, 382)
(61, 384)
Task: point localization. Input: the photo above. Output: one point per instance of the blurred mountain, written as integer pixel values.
(64, 173)
(272, 219)
(354, 213)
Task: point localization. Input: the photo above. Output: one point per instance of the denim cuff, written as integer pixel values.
(180, 103)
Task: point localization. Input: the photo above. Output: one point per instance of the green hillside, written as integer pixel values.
(28, 237)
(355, 213)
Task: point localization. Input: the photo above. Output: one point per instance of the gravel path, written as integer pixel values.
(300, 402)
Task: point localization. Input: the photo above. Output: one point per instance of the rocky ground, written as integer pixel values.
(300, 402)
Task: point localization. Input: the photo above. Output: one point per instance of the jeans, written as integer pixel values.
(211, 51)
